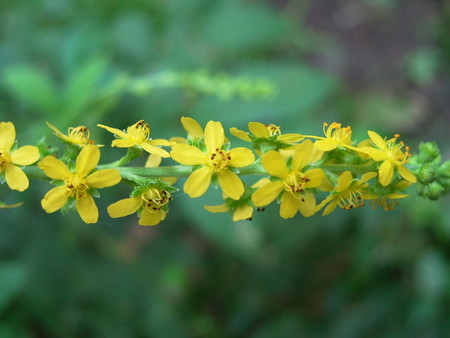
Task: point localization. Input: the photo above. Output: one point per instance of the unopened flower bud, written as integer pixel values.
(433, 191)
(444, 170)
(428, 152)
(427, 174)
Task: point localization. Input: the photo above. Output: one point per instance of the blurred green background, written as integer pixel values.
(372, 64)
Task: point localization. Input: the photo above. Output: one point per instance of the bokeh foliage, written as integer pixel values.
(367, 272)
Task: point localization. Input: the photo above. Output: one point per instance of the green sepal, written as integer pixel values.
(44, 148)
(215, 181)
(94, 193)
(71, 164)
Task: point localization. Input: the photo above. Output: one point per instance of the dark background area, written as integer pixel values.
(375, 65)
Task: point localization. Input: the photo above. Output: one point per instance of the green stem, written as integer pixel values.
(136, 173)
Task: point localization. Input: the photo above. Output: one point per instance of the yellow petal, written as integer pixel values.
(192, 127)
(87, 160)
(124, 207)
(198, 182)
(290, 138)
(289, 205)
(241, 213)
(344, 181)
(87, 209)
(307, 205)
(188, 155)
(325, 145)
(115, 131)
(406, 174)
(375, 154)
(240, 134)
(7, 135)
(216, 208)
(174, 140)
(214, 136)
(367, 176)
(159, 142)
(154, 150)
(302, 155)
(54, 199)
(151, 218)
(25, 155)
(386, 172)
(258, 129)
(123, 143)
(315, 177)
(231, 184)
(267, 193)
(153, 161)
(16, 178)
(260, 182)
(241, 157)
(54, 168)
(330, 207)
(103, 178)
(275, 164)
(377, 140)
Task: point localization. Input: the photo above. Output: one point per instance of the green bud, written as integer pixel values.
(444, 170)
(427, 174)
(433, 191)
(445, 182)
(428, 152)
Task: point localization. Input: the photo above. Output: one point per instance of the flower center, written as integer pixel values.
(79, 135)
(140, 131)
(5, 159)
(394, 151)
(219, 159)
(76, 186)
(350, 199)
(273, 129)
(337, 133)
(295, 182)
(154, 199)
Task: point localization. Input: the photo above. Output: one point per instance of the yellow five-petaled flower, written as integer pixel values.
(151, 204)
(138, 135)
(10, 160)
(213, 161)
(79, 136)
(348, 194)
(390, 153)
(293, 183)
(77, 184)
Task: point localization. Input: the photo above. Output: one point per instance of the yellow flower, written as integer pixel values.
(213, 161)
(335, 136)
(294, 183)
(78, 136)
(348, 194)
(78, 184)
(392, 156)
(151, 203)
(138, 135)
(266, 135)
(11, 159)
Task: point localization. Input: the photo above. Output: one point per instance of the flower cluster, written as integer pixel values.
(305, 174)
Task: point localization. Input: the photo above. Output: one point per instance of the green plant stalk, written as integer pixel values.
(132, 173)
